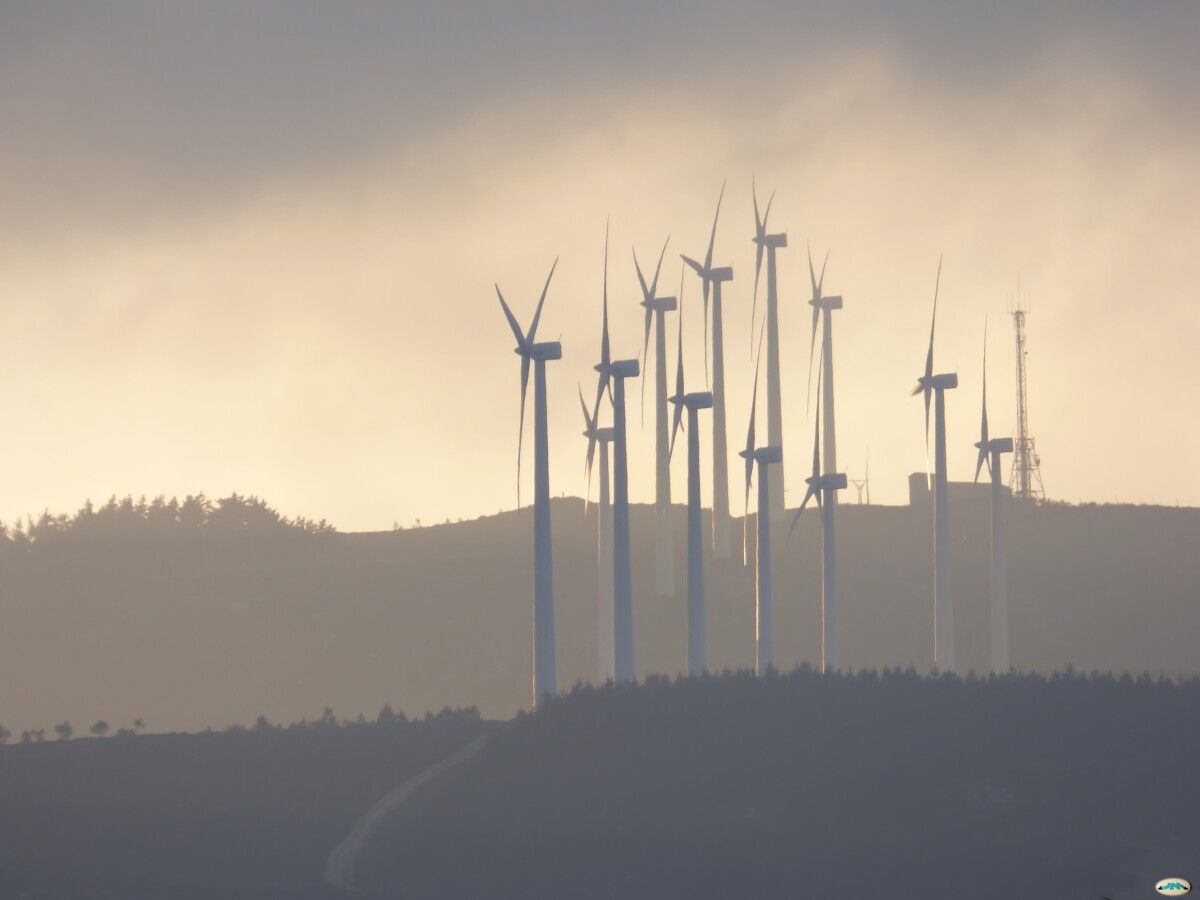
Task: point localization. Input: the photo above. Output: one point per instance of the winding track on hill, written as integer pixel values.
(341, 866)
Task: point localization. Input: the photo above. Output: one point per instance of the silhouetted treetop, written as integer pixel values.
(234, 515)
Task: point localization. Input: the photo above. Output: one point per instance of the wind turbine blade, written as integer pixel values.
(591, 434)
(812, 346)
(821, 280)
(812, 276)
(795, 520)
(658, 268)
(712, 238)
(512, 320)
(983, 422)
(812, 341)
(678, 372)
(759, 230)
(933, 322)
(928, 465)
(695, 265)
(521, 425)
(646, 295)
(646, 362)
(541, 300)
(706, 381)
(758, 255)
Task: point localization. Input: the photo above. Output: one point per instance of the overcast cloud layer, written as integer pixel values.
(252, 248)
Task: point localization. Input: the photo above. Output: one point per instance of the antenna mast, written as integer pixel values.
(1026, 478)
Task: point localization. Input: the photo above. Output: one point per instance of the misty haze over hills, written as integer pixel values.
(204, 614)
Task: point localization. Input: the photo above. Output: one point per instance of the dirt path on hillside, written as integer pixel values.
(340, 868)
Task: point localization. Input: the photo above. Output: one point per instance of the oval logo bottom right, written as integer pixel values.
(1173, 887)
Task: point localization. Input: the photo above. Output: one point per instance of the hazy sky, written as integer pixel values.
(251, 246)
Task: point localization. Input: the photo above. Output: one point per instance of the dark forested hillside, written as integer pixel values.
(192, 613)
(249, 813)
(803, 785)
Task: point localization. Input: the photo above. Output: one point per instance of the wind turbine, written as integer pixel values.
(764, 607)
(697, 633)
(604, 542)
(821, 303)
(656, 309)
(864, 482)
(823, 488)
(712, 279)
(544, 676)
(770, 243)
(616, 371)
(935, 386)
(989, 452)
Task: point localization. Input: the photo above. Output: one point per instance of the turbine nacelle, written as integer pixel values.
(832, 481)
(694, 400)
(771, 240)
(768, 455)
(661, 304)
(943, 382)
(623, 368)
(541, 351)
(996, 445)
(602, 435)
(827, 303)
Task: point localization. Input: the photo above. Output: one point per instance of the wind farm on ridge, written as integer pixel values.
(614, 594)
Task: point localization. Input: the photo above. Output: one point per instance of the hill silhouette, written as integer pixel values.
(244, 813)
(196, 612)
(804, 785)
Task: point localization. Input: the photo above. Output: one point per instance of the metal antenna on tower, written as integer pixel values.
(1026, 477)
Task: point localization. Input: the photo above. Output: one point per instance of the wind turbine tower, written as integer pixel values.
(823, 487)
(545, 679)
(656, 309)
(612, 375)
(1026, 477)
(934, 387)
(697, 630)
(989, 452)
(769, 243)
(712, 279)
(601, 437)
(764, 607)
(821, 303)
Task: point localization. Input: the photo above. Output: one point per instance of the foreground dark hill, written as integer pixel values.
(233, 814)
(205, 613)
(813, 786)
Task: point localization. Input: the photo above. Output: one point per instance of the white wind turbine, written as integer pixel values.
(604, 541)
(616, 371)
(823, 304)
(544, 675)
(764, 605)
(989, 452)
(697, 631)
(656, 309)
(823, 487)
(770, 243)
(935, 386)
(712, 279)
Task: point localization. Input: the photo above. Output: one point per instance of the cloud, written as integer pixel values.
(253, 248)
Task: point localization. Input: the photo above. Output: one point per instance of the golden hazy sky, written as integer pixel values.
(253, 249)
